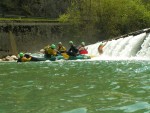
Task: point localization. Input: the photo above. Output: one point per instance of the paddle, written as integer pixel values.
(65, 55)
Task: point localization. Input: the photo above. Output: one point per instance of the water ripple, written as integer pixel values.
(130, 108)
(78, 110)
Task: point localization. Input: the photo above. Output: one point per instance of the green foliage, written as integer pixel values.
(34, 8)
(89, 18)
(64, 18)
(111, 17)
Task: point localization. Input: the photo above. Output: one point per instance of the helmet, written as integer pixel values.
(21, 54)
(70, 42)
(83, 43)
(60, 43)
(53, 46)
(101, 44)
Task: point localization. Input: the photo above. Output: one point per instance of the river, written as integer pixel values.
(75, 87)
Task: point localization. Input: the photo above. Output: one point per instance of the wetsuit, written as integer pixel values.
(72, 51)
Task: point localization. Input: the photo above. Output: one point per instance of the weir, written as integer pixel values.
(135, 45)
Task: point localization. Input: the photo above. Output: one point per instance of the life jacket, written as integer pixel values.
(46, 49)
(82, 50)
(24, 59)
(51, 51)
(62, 49)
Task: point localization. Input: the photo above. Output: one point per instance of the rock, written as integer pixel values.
(9, 58)
(1, 60)
(14, 57)
(42, 51)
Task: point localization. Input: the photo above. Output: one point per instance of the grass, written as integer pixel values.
(29, 19)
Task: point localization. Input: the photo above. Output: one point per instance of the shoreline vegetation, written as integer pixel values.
(30, 21)
(104, 19)
(20, 19)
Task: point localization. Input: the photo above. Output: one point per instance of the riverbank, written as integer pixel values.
(9, 58)
(29, 19)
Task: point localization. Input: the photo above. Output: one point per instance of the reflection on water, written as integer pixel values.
(75, 87)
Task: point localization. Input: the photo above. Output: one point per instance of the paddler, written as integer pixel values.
(51, 51)
(73, 50)
(100, 48)
(23, 58)
(62, 50)
(82, 49)
(46, 49)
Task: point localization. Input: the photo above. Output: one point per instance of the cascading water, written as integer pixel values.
(145, 51)
(123, 48)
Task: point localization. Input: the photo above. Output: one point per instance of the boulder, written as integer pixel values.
(3, 59)
(14, 57)
(9, 58)
(42, 51)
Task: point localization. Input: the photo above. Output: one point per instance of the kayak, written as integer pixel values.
(59, 57)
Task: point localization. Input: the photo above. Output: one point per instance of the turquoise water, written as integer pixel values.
(75, 87)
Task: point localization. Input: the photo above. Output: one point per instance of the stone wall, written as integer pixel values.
(14, 39)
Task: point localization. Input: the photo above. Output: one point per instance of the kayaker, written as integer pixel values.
(61, 48)
(73, 50)
(51, 51)
(62, 51)
(82, 49)
(46, 49)
(23, 58)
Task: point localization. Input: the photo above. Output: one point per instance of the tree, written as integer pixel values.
(109, 18)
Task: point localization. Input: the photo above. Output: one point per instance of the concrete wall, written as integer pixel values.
(18, 37)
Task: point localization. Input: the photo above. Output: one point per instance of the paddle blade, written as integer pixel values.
(65, 55)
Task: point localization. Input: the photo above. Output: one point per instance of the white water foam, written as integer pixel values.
(145, 51)
(128, 48)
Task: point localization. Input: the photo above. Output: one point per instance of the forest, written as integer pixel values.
(102, 19)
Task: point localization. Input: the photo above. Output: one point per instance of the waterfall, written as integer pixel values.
(145, 51)
(133, 46)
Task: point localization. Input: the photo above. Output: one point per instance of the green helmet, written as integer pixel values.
(21, 54)
(53, 46)
(83, 43)
(70, 42)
